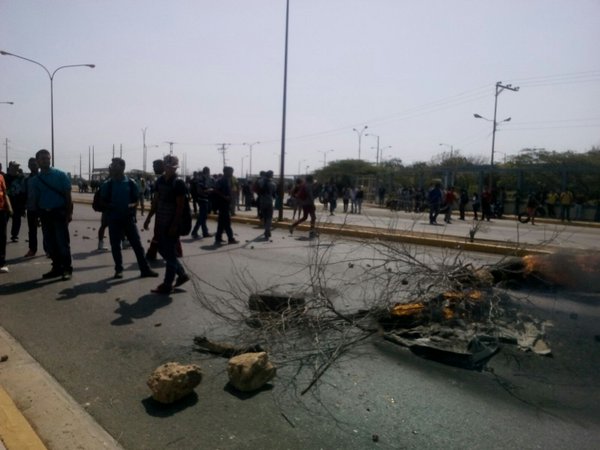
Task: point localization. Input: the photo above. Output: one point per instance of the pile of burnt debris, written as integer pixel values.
(464, 324)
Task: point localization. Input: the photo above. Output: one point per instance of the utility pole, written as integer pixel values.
(499, 88)
(80, 166)
(113, 154)
(170, 146)
(250, 147)
(223, 150)
(6, 148)
(144, 149)
(93, 158)
(89, 163)
(121, 151)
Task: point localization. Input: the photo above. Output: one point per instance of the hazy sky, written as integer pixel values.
(200, 73)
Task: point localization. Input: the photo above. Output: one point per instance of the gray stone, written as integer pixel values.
(250, 371)
(173, 381)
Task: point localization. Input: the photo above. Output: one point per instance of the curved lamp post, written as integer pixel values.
(360, 133)
(51, 76)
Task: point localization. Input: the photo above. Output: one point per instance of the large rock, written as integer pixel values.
(250, 371)
(173, 381)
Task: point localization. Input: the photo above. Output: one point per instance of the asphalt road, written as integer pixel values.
(100, 339)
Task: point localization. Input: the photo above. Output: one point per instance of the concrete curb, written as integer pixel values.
(29, 395)
(15, 431)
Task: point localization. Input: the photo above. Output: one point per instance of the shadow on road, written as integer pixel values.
(157, 409)
(144, 307)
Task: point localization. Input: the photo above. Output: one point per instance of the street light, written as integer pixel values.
(51, 76)
(250, 148)
(360, 133)
(499, 88)
(7, 103)
(325, 156)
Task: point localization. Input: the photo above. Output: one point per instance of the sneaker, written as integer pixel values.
(207, 235)
(181, 279)
(233, 241)
(15, 238)
(118, 274)
(162, 289)
(101, 246)
(149, 274)
(29, 254)
(52, 274)
(219, 241)
(66, 275)
(4, 269)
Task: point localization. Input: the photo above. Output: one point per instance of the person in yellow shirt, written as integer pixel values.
(566, 201)
(551, 202)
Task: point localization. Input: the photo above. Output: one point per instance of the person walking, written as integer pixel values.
(266, 195)
(52, 191)
(434, 198)
(204, 186)
(449, 199)
(306, 198)
(120, 194)
(5, 212)
(170, 198)
(223, 197)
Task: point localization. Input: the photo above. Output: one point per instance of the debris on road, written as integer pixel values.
(250, 371)
(173, 381)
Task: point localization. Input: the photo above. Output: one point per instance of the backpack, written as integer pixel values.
(98, 203)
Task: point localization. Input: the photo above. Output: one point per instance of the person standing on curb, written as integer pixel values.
(121, 196)
(52, 190)
(170, 197)
(223, 195)
(5, 212)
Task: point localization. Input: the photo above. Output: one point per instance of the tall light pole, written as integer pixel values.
(360, 133)
(325, 156)
(499, 88)
(144, 149)
(250, 153)
(51, 76)
(7, 103)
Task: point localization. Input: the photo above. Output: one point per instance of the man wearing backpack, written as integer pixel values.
(170, 203)
(120, 195)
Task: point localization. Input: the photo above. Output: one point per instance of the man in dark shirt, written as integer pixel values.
(121, 195)
(223, 193)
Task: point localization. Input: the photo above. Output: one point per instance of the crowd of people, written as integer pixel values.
(43, 196)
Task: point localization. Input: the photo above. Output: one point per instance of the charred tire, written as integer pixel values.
(523, 217)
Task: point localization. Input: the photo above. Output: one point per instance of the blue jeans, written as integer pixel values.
(119, 226)
(202, 216)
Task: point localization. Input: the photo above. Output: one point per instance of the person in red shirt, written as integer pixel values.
(5, 212)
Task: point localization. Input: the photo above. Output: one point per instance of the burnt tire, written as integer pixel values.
(523, 217)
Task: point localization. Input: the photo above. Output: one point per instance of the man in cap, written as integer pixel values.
(171, 195)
